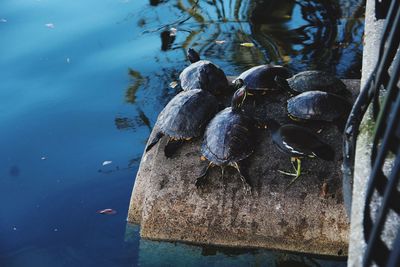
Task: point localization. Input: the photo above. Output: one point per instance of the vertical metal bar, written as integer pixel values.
(382, 213)
(358, 110)
(394, 259)
(390, 94)
(389, 52)
(391, 186)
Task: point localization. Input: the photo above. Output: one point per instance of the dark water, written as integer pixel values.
(82, 82)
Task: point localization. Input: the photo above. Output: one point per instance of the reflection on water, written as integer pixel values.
(89, 90)
(152, 253)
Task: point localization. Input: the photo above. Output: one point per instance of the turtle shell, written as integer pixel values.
(314, 80)
(263, 76)
(228, 137)
(317, 105)
(203, 74)
(187, 114)
(298, 141)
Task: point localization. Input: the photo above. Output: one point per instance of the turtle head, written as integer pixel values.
(238, 98)
(192, 55)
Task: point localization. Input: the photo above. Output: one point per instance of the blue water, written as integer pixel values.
(82, 82)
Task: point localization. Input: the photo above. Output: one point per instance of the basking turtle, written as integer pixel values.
(184, 118)
(298, 142)
(228, 139)
(263, 77)
(203, 74)
(312, 80)
(317, 105)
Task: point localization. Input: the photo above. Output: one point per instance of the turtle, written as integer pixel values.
(318, 105)
(262, 78)
(298, 142)
(312, 80)
(229, 139)
(203, 74)
(184, 118)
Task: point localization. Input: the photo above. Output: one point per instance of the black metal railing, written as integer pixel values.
(382, 195)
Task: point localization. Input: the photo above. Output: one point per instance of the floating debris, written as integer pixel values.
(172, 31)
(43, 158)
(286, 59)
(3, 20)
(50, 25)
(173, 84)
(107, 162)
(247, 44)
(107, 211)
(68, 60)
(220, 42)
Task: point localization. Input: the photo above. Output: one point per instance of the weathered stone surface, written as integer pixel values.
(168, 206)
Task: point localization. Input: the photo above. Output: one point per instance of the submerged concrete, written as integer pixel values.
(307, 217)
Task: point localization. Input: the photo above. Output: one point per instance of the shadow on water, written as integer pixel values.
(154, 253)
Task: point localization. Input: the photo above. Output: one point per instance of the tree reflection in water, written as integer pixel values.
(324, 35)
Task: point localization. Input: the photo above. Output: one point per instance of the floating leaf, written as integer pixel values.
(286, 58)
(107, 162)
(173, 84)
(220, 41)
(247, 44)
(50, 25)
(107, 211)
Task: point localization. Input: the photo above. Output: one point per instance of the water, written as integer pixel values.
(82, 82)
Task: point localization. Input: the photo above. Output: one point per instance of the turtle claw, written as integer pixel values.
(247, 188)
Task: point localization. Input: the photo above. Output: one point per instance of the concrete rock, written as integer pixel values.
(307, 217)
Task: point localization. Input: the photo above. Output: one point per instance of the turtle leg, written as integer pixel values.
(201, 180)
(245, 181)
(222, 171)
(155, 140)
(172, 146)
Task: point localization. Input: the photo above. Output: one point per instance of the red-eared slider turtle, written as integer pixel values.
(298, 142)
(228, 139)
(263, 77)
(184, 118)
(312, 80)
(317, 105)
(203, 74)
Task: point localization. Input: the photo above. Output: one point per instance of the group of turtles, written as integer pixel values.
(229, 134)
